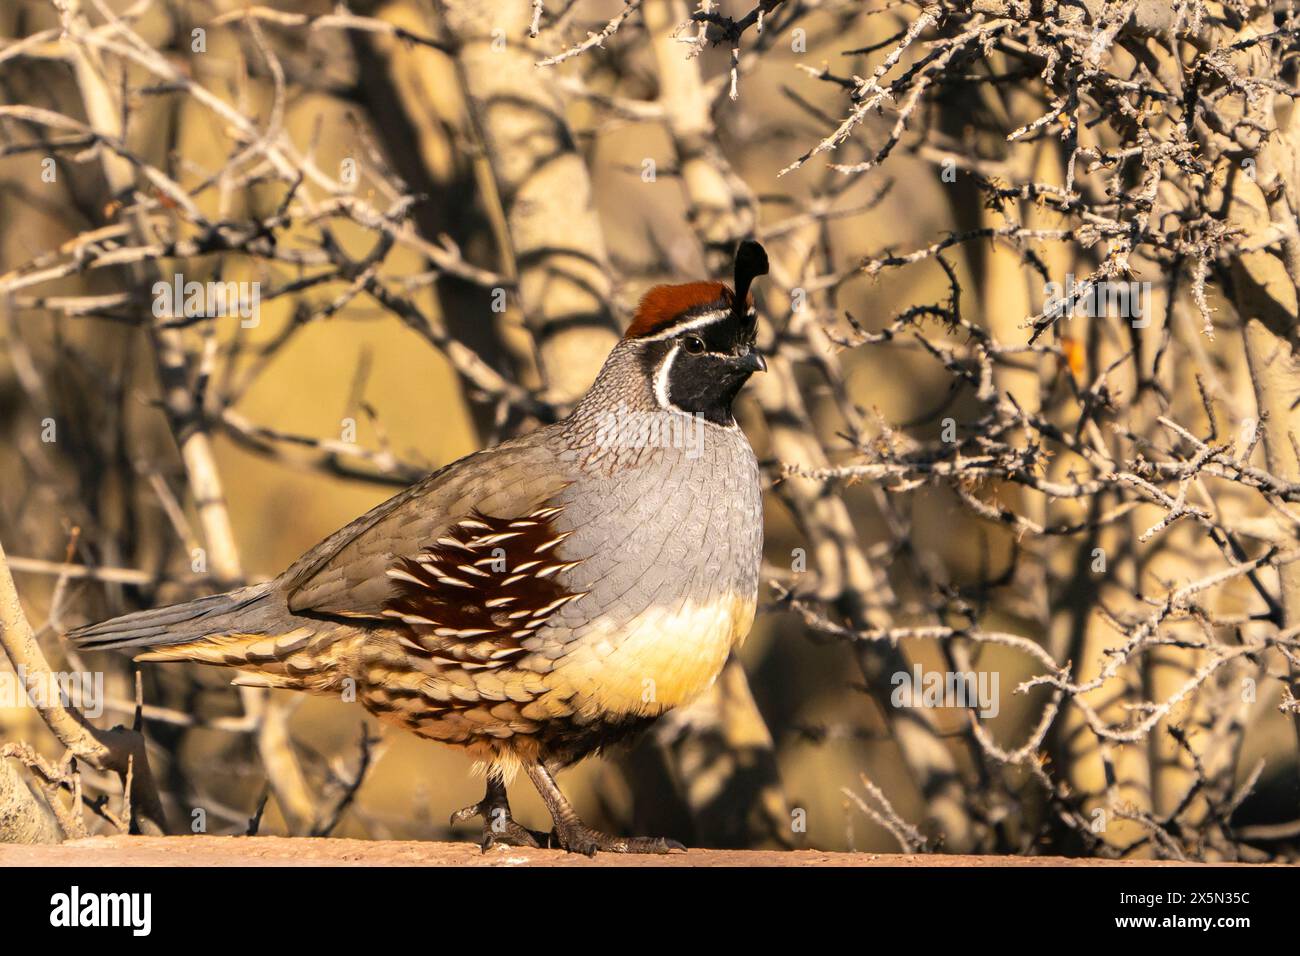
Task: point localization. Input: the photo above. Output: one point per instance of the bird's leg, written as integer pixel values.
(575, 836)
(498, 825)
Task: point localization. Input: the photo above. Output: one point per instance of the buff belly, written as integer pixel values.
(664, 658)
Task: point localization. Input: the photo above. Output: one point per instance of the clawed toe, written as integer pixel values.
(583, 839)
(572, 834)
(499, 828)
(466, 813)
(513, 834)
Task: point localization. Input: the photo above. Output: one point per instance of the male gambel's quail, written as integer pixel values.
(539, 600)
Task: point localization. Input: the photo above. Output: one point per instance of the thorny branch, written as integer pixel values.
(1162, 117)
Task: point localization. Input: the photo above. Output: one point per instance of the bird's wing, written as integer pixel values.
(362, 569)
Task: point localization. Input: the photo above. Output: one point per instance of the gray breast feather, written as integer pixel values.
(671, 529)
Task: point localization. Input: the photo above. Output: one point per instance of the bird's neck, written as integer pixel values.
(622, 385)
(620, 422)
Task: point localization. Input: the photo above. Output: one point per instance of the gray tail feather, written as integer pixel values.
(175, 624)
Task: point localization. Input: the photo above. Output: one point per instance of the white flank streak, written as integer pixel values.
(399, 575)
(490, 539)
(416, 619)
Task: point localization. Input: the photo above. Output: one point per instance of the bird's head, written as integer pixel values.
(695, 341)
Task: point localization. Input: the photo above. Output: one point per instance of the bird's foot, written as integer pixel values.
(580, 838)
(499, 827)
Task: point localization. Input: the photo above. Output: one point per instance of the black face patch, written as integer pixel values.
(707, 367)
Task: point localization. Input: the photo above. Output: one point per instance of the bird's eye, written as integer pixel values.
(694, 344)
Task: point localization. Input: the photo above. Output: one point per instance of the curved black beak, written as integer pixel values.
(750, 362)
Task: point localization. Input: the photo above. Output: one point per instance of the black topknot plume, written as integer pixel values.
(751, 262)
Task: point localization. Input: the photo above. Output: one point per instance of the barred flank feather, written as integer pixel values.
(489, 583)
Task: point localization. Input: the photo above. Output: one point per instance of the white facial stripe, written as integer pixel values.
(708, 318)
(661, 393)
(661, 380)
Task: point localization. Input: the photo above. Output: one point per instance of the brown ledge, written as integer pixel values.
(303, 851)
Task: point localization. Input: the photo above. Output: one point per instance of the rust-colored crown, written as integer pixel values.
(664, 304)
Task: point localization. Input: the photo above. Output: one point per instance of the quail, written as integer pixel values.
(540, 600)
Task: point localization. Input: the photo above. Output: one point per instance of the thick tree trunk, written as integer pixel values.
(23, 818)
(556, 244)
